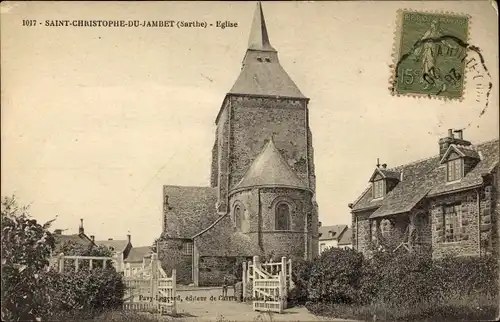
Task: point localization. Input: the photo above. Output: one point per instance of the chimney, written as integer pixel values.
(384, 165)
(92, 237)
(58, 232)
(129, 237)
(378, 163)
(444, 143)
(80, 229)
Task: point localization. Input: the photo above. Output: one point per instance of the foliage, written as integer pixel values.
(30, 290)
(300, 277)
(26, 248)
(335, 276)
(84, 293)
(70, 247)
(405, 286)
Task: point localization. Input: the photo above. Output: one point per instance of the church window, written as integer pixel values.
(238, 214)
(282, 217)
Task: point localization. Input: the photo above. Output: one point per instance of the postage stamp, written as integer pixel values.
(430, 54)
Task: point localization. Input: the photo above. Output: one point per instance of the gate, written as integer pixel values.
(269, 283)
(151, 290)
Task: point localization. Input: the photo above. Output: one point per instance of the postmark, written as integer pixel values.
(430, 54)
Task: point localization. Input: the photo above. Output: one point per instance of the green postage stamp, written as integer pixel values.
(430, 57)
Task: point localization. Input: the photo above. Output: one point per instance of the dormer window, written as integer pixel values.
(454, 170)
(378, 189)
(383, 180)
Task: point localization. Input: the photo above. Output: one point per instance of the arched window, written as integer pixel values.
(238, 214)
(282, 216)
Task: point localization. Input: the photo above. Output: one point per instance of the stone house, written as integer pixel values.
(120, 249)
(261, 198)
(334, 236)
(446, 204)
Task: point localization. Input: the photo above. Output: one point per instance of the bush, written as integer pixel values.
(82, 294)
(31, 291)
(300, 276)
(335, 276)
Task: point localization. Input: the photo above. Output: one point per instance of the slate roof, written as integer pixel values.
(117, 245)
(346, 238)
(337, 230)
(269, 169)
(263, 78)
(190, 210)
(136, 254)
(388, 174)
(426, 178)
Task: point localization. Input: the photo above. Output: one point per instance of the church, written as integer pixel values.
(261, 198)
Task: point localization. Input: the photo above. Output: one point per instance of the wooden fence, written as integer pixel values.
(61, 261)
(151, 290)
(270, 282)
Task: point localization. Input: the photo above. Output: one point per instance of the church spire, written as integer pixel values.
(259, 39)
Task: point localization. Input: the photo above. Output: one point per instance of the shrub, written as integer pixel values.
(26, 248)
(300, 277)
(335, 276)
(82, 294)
(30, 290)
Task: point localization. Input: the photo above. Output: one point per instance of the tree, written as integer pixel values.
(26, 249)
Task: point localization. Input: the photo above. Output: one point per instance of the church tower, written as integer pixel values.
(262, 158)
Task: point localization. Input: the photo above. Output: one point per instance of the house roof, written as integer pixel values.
(386, 174)
(346, 238)
(190, 210)
(60, 240)
(137, 254)
(461, 150)
(336, 230)
(426, 178)
(116, 245)
(260, 76)
(269, 169)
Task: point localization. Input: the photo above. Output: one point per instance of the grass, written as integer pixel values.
(463, 309)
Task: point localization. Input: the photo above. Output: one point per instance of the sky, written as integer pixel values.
(94, 121)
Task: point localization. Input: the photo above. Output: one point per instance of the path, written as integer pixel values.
(201, 308)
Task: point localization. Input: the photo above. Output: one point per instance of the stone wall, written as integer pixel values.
(254, 120)
(285, 243)
(214, 269)
(222, 165)
(171, 256)
(468, 243)
(362, 231)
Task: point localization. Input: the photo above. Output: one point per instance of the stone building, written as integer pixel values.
(261, 198)
(446, 204)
